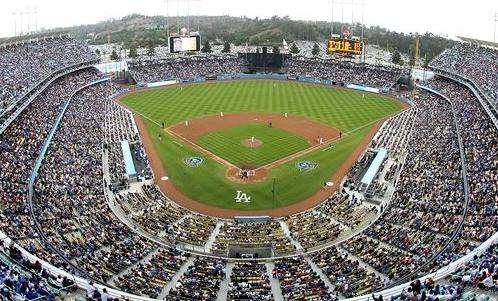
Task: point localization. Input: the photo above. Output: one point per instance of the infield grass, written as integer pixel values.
(351, 112)
(228, 144)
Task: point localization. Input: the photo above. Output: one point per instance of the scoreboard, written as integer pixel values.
(345, 46)
(184, 43)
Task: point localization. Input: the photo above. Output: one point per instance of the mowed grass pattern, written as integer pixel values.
(276, 144)
(350, 111)
(342, 108)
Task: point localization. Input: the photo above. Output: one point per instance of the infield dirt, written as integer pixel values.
(305, 127)
(177, 196)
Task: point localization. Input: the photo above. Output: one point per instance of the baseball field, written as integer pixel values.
(293, 138)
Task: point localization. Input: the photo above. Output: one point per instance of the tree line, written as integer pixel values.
(149, 32)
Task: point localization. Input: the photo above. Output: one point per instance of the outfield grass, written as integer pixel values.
(276, 144)
(342, 108)
(347, 110)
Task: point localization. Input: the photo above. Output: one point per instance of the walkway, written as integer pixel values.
(365, 265)
(274, 283)
(225, 284)
(172, 283)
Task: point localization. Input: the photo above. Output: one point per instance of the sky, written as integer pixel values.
(449, 18)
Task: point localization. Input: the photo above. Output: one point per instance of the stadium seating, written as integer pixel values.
(373, 76)
(184, 69)
(24, 64)
(479, 64)
(249, 281)
(70, 224)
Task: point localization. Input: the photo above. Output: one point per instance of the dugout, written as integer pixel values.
(373, 169)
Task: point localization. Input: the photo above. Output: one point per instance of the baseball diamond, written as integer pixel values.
(305, 119)
(222, 158)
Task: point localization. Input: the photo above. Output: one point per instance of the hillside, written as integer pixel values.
(146, 31)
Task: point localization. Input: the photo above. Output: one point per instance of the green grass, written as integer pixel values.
(344, 109)
(276, 144)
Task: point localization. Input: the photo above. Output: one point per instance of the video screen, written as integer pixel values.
(184, 44)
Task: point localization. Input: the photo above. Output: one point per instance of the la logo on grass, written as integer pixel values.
(242, 197)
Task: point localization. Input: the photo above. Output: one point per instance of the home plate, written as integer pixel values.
(329, 184)
(164, 178)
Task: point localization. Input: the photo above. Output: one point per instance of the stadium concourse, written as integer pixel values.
(72, 224)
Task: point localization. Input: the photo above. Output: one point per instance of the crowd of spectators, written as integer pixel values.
(480, 272)
(120, 127)
(395, 134)
(80, 233)
(152, 212)
(25, 63)
(185, 68)
(149, 278)
(348, 276)
(427, 205)
(428, 290)
(476, 279)
(201, 281)
(22, 279)
(254, 235)
(347, 73)
(249, 281)
(194, 67)
(390, 261)
(313, 228)
(20, 145)
(325, 223)
(480, 139)
(69, 200)
(298, 281)
(478, 64)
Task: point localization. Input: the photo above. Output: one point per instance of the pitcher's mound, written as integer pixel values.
(252, 143)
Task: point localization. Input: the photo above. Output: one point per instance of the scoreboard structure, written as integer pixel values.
(184, 43)
(344, 46)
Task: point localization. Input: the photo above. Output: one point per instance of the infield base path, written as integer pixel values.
(315, 133)
(181, 199)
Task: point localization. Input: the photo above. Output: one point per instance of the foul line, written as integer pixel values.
(281, 161)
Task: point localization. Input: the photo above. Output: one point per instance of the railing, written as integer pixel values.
(493, 112)
(455, 265)
(438, 275)
(36, 168)
(38, 89)
(84, 284)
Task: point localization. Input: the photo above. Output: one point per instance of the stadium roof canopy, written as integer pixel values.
(480, 42)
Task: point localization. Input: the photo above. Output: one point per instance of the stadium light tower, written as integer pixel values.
(166, 6)
(352, 17)
(28, 14)
(35, 12)
(14, 14)
(494, 35)
(332, 19)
